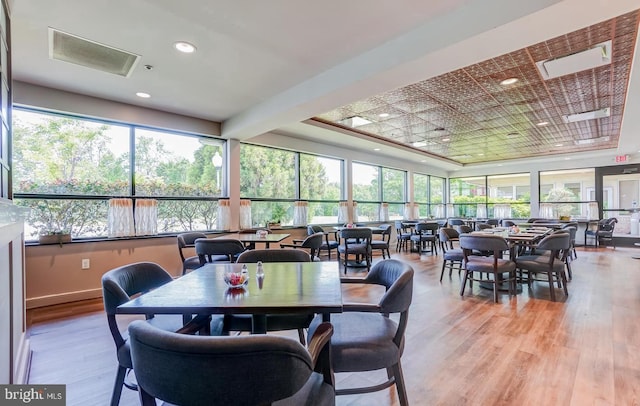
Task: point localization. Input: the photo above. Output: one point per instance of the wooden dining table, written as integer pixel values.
(285, 288)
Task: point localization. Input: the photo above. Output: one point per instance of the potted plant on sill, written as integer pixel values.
(54, 237)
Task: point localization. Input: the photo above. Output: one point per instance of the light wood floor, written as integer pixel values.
(525, 350)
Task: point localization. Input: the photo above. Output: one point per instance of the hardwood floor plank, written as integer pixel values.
(525, 350)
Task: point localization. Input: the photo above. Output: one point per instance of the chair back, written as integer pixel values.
(398, 226)
(385, 231)
(397, 278)
(199, 370)
(361, 233)
(274, 255)
(483, 226)
(120, 284)
(493, 222)
(312, 229)
(455, 222)
(556, 242)
(492, 243)
(427, 228)
(206, 248)
(187, 239)
(447, 236)
(464, 229)
(508, 223)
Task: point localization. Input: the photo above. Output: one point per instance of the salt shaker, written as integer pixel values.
(259, 269)
(244, 268)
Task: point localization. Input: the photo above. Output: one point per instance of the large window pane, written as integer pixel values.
(267, 173)
(368, 212)
(512, 189)
(176, 165)
(564, 190)
(81, 218)
(393, 185)
(176, 216)
(68, 156)
(436, 190)
(320, 178)
(366, 185)
(466, 194)
(323, 212)
(264, 212)
(420, 188)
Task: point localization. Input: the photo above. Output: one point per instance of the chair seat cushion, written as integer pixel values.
(454, 255)
(379, 244)
(355, 249)
(485, 264)
(192, 263)
(361, 341)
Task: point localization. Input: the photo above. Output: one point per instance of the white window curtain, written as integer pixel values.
(354, 208)
(146, 215)
(546, 210)
(593, 213)
(450, 210)
(415, 211)
(438, 211)
(384, 212)
(120, 218)
(245, 214)
(481, 211)
(300, 212)
(343, 212)
(408, 212)
(224, 214)
(502, 211)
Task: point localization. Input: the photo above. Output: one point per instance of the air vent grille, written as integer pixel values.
(80, 51)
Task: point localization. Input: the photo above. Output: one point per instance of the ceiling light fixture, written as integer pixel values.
(542, 123)
(376, 149)
(509, 81)
(558, 145)
(587, 115)
(185, 47)
(383, 115)
(419, 144)
(591, 58)
(354, 121)
(143, 95)
(591, 140)
(446, 139)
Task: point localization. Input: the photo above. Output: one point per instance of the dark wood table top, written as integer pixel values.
(309, 287)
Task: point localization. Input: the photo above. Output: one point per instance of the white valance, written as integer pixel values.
(120, 218)
(300, 213)
(546, 210)
(502, 211)
(245, 214)
(146, 215)
(384, 212)
(224, 214)
(343, 212)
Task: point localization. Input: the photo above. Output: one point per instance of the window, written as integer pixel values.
(373, 185)
(421, 193)
(273, 179)
(510, 195)
(466, 194)
(565, 192)
(67, 168)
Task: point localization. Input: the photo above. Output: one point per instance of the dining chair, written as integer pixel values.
(275, 322)
(118, 287)
(452, 257)
(218, 249)
(328, 244)
(426, 233)
(186, 241)
(402, 236)
(365, 337)
(551, 264)
(603, 233)
(493, 265)
(243, 371)
(355, 241)
(382, 244)
(313, 243)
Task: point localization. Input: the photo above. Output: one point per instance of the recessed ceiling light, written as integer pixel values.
(542, 123)
(383, 115)
(499, 164)
(558, 145)
(509, 81)
(185, 47)
(143, 95)
(566, 159)
(423, 160)
(446, 139)
(481, 154)
(376, 149)
(419, 144)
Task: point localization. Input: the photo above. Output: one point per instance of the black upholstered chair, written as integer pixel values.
(247, 370)
(603, 233)
(355, 241)
(568, 226)
(551, 264)
(328, 244)
(508, 223)
(382, 244)
(186, 241)
(483, 226)
(273, 255)
(402, 237)
(275, 322)
(493, 265)
(463, 229)
(365, 337)
(426, 234)
(218, 249)
(313, 243)
(452, 257)
(118, 287)
(493, 222)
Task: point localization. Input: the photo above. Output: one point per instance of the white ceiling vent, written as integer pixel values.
(591, 58)
(80, 51)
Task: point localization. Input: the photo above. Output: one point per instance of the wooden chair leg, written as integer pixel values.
(552, 288)
(464, 282)
(117, 386)
(400, 387)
